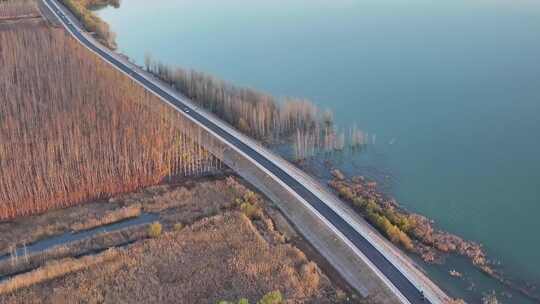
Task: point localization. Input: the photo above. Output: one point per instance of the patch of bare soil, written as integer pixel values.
(221, 257)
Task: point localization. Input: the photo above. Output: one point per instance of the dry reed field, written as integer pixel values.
(18, 8)
(73, 129)
(55, 269)
(217, 258)
(183, 202)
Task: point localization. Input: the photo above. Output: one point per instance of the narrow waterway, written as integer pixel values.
(70, 237)
(451, 91)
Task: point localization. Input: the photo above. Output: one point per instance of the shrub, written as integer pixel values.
(359, 202)
(393, 233)
(403, 221)
(178, 226)
(250, 210)
(341, 296)
(273, 297)
(346, 193)
(390, 221)
(250, 197)
(154, 230)
(91, 22)
(372, 206)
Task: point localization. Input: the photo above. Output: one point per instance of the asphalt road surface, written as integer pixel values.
(392, 273)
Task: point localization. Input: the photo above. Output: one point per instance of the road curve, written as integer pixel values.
(408, 292)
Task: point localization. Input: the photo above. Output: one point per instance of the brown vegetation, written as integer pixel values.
(222, 257)
(258, 114)
(96, 243)
(386, 219)
(183, 203)
(402, 226)
(91, 22)
(114, 216)
(273, 297)
(154, 229)
(218, 254)
(27, 230)
(74, 129)
(254, 113)
(413, 231)
(54, 270)
(18, 8)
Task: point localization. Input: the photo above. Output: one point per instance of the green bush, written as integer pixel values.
(393, 233)
(359, 202)
(178, 226)
(251, 197)
(372, 206)
(394, 224)
(154, 230)
(403, 221)
(273, 297)
(250, 210)
(346, 193)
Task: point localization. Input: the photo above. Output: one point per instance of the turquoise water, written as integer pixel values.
(450, 88)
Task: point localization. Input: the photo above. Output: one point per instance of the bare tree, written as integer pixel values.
(18, 8)
(74, 129)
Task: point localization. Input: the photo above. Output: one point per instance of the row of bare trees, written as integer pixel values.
(18, 8)
(74, 129)
(260, 115)
(257, 114)
(92, 23)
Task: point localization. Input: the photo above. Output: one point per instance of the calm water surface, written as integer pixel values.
(453, 85)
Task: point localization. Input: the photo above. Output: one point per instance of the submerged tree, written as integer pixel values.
(258, 114)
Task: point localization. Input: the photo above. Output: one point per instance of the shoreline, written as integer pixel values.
(432, 251)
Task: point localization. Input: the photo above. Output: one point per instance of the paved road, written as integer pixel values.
(393, 274)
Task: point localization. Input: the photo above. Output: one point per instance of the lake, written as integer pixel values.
(451, 90)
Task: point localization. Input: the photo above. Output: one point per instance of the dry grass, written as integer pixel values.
(223, 257)
(96, 243)
(191, 200)
(26, 230)
(18, 8)
(213, 257)
(73, 129)
(109, 218)
(54, 270)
